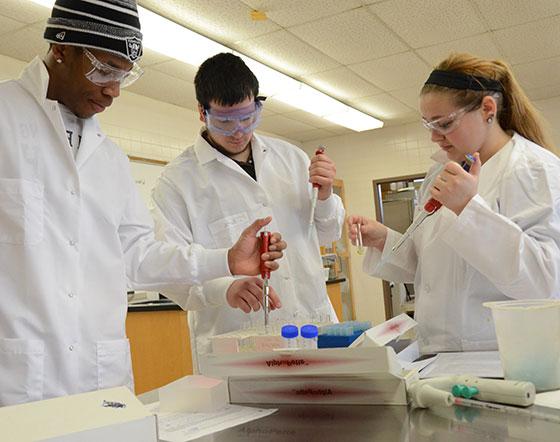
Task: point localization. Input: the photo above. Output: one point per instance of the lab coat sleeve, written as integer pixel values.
(156, 265)
(329, 219)
(397, 267)
(173, 226)
(518, 251)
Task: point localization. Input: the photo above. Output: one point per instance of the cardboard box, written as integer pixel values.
(80, 418)
(367, 375)
(324, 390)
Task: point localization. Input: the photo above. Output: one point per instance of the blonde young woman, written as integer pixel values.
(497, 236)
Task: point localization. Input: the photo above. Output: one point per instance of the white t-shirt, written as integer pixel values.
(74, 128)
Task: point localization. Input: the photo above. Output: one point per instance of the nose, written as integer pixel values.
(436, 136)
(112, 89)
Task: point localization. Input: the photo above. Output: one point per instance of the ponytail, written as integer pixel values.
(515, 110)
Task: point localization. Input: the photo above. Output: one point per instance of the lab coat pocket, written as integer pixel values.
(113, 364)
(21, 211)
(21, 370)
(226, 231)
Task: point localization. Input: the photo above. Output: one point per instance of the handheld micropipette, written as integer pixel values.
(431, 207)
(315, 196)
(265, 275)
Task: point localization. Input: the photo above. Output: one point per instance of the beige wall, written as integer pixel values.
(149, 128)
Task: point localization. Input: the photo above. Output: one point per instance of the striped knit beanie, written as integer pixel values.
(109, 25)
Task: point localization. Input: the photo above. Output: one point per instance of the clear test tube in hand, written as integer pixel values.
(265, 275)
(359, 241)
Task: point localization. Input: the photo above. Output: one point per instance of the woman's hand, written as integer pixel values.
(374, 233)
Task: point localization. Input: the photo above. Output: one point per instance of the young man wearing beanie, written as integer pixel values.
(231, 175)
(74, 232)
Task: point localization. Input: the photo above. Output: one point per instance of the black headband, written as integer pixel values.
(458, 80)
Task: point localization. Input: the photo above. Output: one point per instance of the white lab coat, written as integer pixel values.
(208, 199)
(71, 233)
(504, 245)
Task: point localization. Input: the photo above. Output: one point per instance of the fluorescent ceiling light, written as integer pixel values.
(175, 41)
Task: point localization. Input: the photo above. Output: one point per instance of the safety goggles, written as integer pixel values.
(448, 123)
(102, 74)
(243, 120)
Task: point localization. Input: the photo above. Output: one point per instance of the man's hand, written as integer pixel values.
(322, 172)
(247, 293)
(244, 257)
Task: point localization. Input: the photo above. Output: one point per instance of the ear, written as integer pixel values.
(489, 107)
(201, 115)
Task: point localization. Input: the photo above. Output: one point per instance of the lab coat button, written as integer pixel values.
(70, 294)
(72, 192)
(72, 242)
(71, 348)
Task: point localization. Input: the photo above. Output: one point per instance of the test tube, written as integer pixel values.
(359, 240)
(309, 333)
(290, 334)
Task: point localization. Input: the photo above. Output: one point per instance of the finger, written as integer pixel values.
(278, 247)
(274, 299)
(254, 300)
(257, 225)
(272, 255)
(242, 305)
(321, 180)
(476, 166)
(272, 265)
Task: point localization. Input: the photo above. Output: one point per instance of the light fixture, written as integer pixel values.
(172, 40)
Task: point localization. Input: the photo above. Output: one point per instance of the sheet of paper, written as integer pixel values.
(485, 364)
(182, 427)
(549, 399)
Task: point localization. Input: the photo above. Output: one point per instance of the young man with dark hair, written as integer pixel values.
(74, 232)
(210, 192)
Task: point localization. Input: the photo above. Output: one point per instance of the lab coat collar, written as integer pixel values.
(35, 79)
(206, 153)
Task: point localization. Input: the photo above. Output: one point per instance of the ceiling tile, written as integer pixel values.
(24, 11)
(430, 21)
(350, 37)
(408, 96)
(281, 125)
(532, 41)
(162, 87)
(480, 45)
(278, 107)
(315, 134)
(24, 44)
(293, 12)
(538, 73)
(505, 13)
(150, 58)
(177, 69)
(287, 53)
(341, 83)
(8, 26)
(394, 72)
(312, 120)
(383, 106)
(222, 20)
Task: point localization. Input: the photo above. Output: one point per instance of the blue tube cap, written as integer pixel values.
(289, 331)
(309, 331)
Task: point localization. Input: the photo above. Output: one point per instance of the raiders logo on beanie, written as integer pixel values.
(109, 25)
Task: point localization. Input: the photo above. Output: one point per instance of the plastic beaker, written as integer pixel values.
(528, 333)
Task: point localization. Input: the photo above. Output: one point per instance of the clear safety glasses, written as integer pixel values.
(102, 74)
(448, 123)
(225, 123)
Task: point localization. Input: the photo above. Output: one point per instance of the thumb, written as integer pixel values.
(257, 225)
(475, 167)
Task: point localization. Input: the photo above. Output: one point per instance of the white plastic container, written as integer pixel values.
(309, 334)
(290, 335)
(528, 333)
